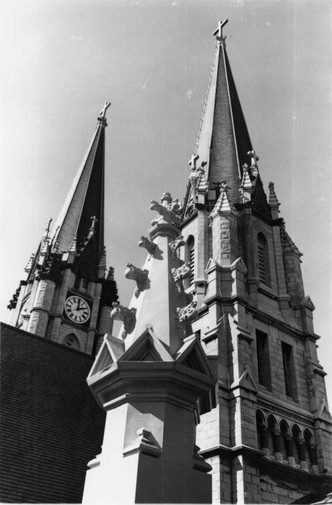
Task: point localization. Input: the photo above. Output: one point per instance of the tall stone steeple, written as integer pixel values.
(253, 317)
(66, 293)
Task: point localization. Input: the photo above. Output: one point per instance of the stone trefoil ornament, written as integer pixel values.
(138, 275)
(169, 210)
(127, 316)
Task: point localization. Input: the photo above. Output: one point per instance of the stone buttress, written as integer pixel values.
(153, 381)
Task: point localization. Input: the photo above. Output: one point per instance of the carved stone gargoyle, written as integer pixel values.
(169, 210)
(127, 316)
(148, 245)
(138, 275)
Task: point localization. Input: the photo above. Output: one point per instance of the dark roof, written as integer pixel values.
(50, 425)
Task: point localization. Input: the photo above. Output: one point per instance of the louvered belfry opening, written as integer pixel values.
(263, 260)
(191, 259)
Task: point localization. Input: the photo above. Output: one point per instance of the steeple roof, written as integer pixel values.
(223, 139)
(81, 219)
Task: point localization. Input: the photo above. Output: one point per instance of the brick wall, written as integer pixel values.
(50, 425)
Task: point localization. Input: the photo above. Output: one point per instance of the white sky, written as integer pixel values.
(62, 59)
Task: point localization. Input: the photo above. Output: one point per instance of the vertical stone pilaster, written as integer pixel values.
(41, 307)
(57, 320)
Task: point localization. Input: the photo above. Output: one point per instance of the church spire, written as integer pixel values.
(66, 296)
(82, 215)
(223, 140)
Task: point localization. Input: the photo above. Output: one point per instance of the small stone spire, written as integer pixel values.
(102, 265)
(247, 187)
(223, 204)
(273, 201)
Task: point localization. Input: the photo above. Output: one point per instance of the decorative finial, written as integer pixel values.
(254, 158)
(94, 220)
(218, 32)
(102, 114)
(47, 229)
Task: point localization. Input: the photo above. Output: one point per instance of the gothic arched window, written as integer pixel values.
(263, 260)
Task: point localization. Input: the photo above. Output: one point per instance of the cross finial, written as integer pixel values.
(192, 161)
(218, 32)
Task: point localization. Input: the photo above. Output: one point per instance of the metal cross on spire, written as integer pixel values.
(102, 114)
(192, 161)
(218, 32)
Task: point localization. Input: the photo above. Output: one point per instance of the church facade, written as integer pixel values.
(213, 390)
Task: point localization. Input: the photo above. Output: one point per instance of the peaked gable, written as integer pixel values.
(191, 355)
(146, 348)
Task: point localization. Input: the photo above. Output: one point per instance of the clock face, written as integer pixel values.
(77, 309)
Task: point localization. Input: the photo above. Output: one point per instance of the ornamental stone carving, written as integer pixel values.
(181, 273)
(148, 245)
(127, 316)
(179, 241)
(139, 276)
(186, 312)
(169, 210)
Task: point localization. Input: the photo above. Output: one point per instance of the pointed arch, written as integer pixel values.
(296, 434)
(71, 341)
(284, 438)
(261, 430)
(65, 332)
(310, 447)
(272, 428)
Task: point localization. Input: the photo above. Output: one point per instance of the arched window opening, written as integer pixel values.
(296, 443)
(71, 341)
(261, 431)
(272, 435)
(190, 258)
(263, 260)
(310, 448)
(284, 439)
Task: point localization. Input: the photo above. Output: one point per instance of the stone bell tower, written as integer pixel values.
(67, 294)
(269, 438)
